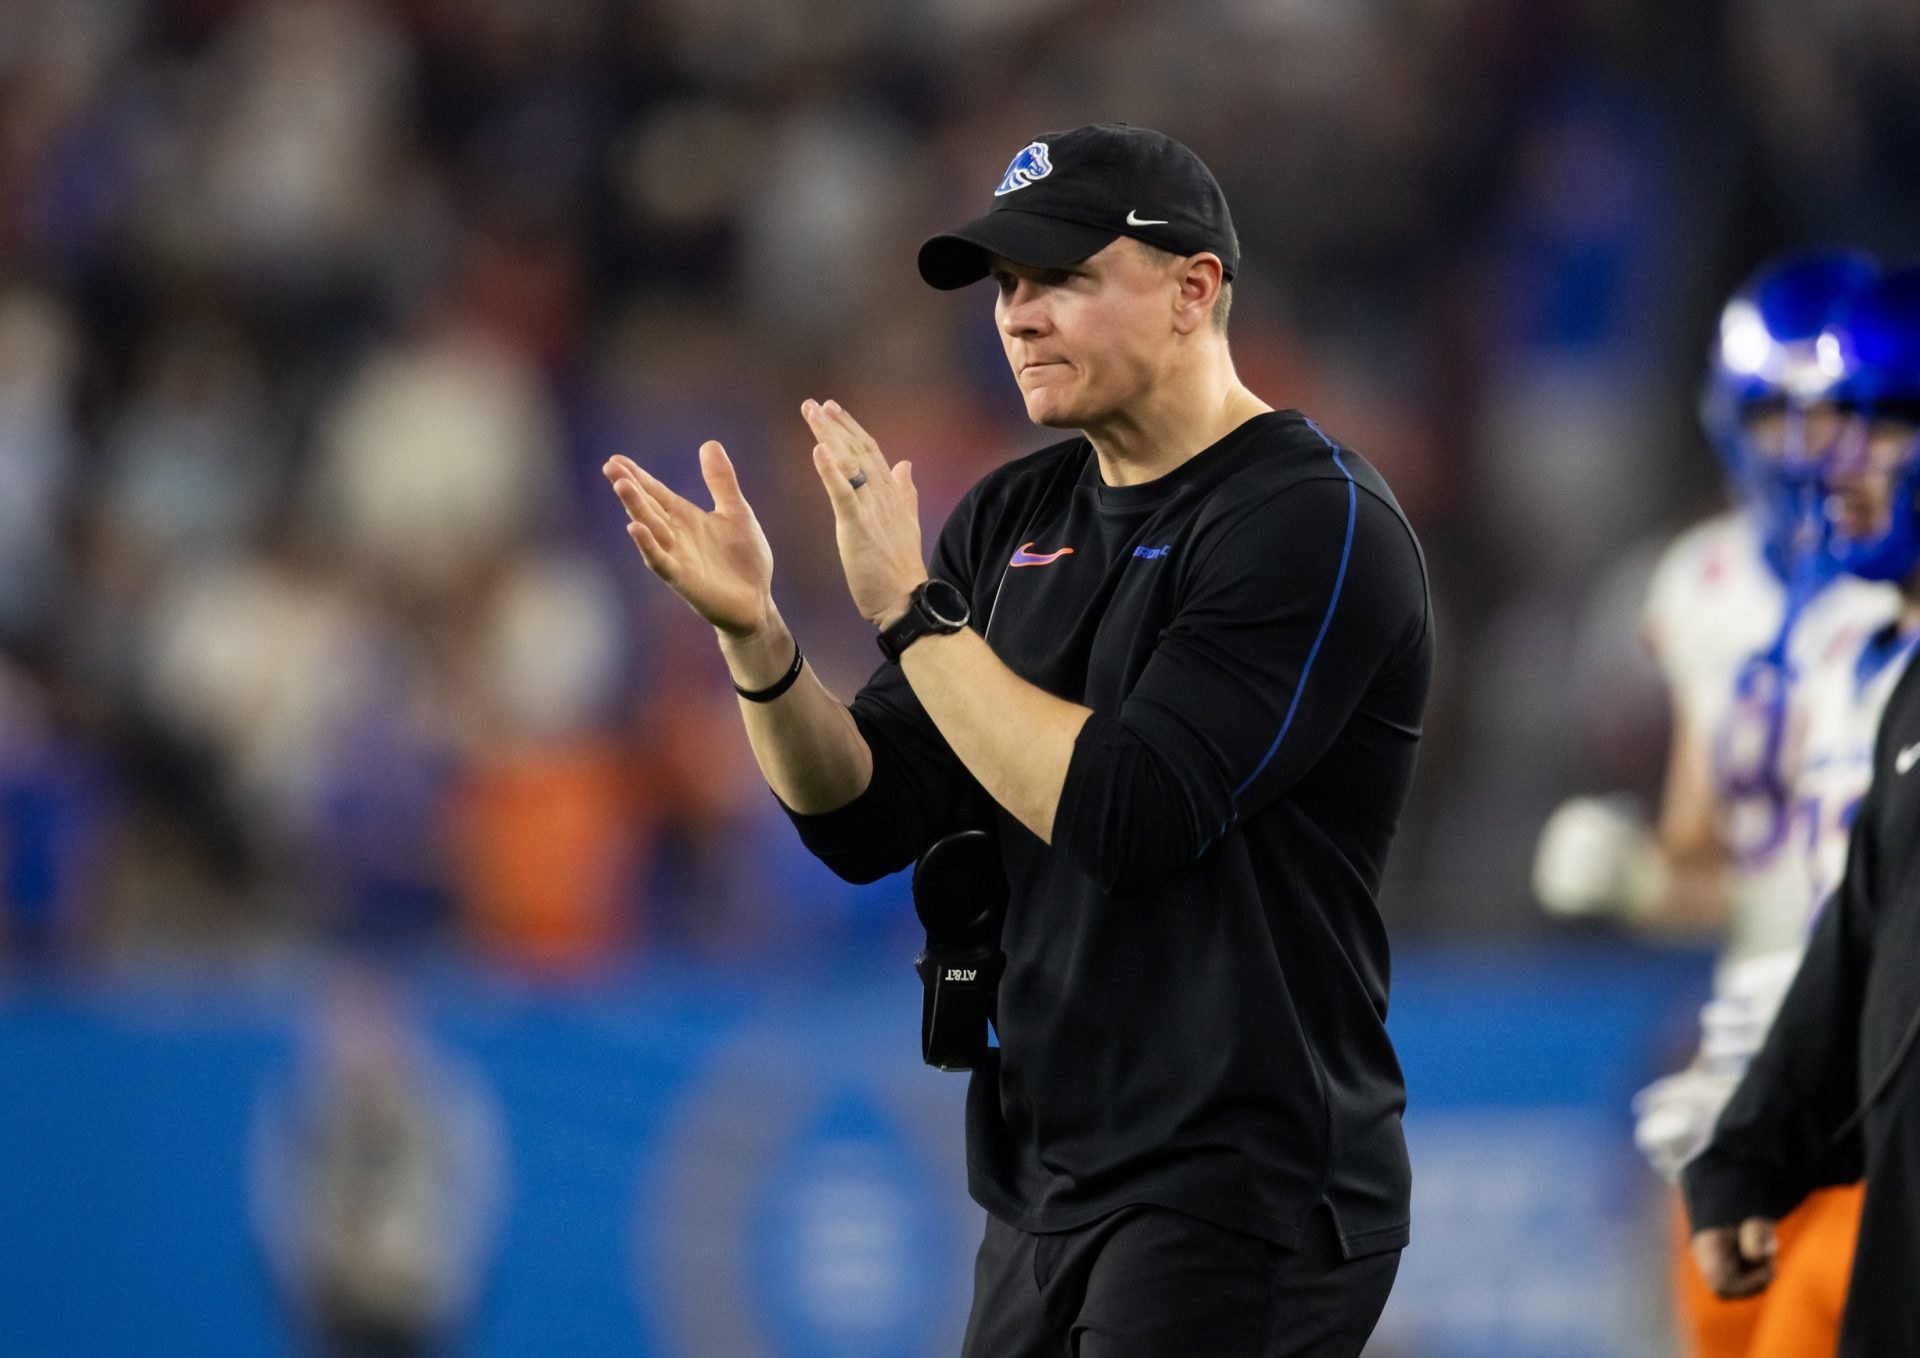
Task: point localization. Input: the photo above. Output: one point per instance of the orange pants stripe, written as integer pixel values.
(1798, 1316)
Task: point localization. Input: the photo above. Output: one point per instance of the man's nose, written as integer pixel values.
(1021, 312)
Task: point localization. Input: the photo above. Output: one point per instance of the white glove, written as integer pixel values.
(1597, 857)
(1674, 1117)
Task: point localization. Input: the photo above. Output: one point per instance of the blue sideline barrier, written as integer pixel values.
(700, 1162)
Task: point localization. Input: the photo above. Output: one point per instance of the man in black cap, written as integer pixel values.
(1177, 665)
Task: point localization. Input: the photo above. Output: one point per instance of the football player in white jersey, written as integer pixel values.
(1869, 526)
(1740, 608)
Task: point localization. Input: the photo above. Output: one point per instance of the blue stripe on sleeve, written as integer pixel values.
(1339, 579)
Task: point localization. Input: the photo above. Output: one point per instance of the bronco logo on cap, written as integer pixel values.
(1032, 163)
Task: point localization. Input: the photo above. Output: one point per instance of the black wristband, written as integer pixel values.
(778, 686)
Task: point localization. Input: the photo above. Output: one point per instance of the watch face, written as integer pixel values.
(945, 601)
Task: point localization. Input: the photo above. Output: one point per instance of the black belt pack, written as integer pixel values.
(960, 894)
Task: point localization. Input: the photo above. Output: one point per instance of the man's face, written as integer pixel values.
(1086, 340)
(1870, 456)
(1778, 433)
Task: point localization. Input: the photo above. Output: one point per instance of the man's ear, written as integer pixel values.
(1201, 278)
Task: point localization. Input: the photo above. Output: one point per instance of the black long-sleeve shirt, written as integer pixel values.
(1786, 1130)
(1193, 1010)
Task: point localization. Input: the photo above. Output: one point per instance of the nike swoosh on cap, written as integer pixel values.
(1026, 556)
(1134, 219)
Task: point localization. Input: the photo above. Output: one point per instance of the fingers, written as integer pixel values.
(1757, 1242)
(833, 442)
(623, 474)
(717, 470)
(836, 414)
(671, 503)
(839, 489)
(632, 499)
(641, 507)
(1740, 1283)
(664, 496)
(852, 448)
(659, 560)
(1728, 1270)
(646, 514)
(833, 457)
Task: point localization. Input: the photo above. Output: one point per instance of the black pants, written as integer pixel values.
(1147, 1282)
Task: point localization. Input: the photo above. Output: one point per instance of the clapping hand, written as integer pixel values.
(717, 560)
(876, 513)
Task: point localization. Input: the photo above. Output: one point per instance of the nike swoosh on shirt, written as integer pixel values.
(1026, 556)
(1135, 219)
(1907, 758)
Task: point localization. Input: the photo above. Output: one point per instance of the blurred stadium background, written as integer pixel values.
(396, 939)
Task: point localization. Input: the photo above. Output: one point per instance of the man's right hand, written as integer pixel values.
(807, 742)
(718, 560)
(1737, 1261)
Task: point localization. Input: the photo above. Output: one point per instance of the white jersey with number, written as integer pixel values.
(1844, 693)
(1713, 608)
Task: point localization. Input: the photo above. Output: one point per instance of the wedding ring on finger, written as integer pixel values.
(858, 479)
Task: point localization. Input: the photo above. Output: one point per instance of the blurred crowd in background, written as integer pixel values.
(319, 317)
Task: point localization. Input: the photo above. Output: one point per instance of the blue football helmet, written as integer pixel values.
(1766, 360)
(1871, 355)
(1764, 379)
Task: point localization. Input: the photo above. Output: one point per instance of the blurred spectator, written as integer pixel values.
(57, 815)
(192, 466)
(378, 1175)
(303, 105)
(39, 358)
(549, 821)
(438, 459)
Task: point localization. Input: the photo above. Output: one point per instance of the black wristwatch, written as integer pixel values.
(935, 608)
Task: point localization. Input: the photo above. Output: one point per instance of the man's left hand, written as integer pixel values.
(1737, 1261)
(876, 513)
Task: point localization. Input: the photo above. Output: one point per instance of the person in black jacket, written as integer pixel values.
(1177, 665)
(1834, 1095)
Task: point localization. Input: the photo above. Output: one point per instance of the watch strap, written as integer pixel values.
(918, 621)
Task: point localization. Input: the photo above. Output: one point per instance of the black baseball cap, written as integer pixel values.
(1068, 195)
